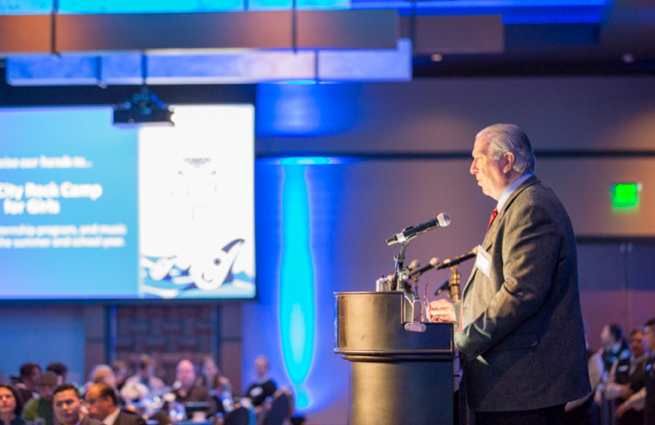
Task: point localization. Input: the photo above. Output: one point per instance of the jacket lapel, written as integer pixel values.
(493, 230)
(468, 282)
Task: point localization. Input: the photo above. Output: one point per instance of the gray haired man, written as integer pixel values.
(519, 324)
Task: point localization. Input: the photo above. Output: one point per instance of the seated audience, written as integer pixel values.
(11, 406)
(264, 387)
(120, 372)
(144, 383)
(41, 407)
(186, 388)
(103, 374)
(219, 387)
(60, 370)
(626, 378)
(68, 407)
(614, 347)
(26, 384)
(100, 374)
(644, 399)
(102, 404)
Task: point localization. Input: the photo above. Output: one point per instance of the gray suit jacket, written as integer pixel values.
(128, 418)
(523, 337)
(89, 421)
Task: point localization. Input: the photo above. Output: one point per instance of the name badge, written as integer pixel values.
(483, 261)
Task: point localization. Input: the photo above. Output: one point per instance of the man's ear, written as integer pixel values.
(508, 161)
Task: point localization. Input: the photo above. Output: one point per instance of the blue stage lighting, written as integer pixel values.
(315, 160)
(148, 6)
(297, 305)
(306, 109)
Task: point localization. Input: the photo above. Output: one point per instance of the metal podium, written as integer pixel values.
(399, 377)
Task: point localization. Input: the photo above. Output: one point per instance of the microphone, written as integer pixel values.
(413, 265)
(419, 271)
(409, 233)
(449, 262)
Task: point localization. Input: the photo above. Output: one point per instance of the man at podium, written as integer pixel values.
(520, 331)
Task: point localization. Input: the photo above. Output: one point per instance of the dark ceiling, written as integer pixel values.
(623, 43)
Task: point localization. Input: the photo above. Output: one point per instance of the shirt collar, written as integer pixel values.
(111, 418)
(512, 187)
(264, 379)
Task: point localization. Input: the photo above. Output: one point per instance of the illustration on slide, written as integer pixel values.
(173, 275)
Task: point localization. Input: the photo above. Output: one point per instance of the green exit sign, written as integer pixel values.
(626, 195)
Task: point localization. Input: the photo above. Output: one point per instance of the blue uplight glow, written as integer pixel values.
(302, 400)
(513, 11)
(306, 110)
(148, 6)
(316, 160)
(32, 7)
(310, 160)
(297, 304)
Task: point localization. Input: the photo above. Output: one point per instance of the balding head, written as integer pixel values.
(186, 373)
(261, 366)
(101, 401)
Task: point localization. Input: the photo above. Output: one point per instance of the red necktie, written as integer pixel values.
(491, 218)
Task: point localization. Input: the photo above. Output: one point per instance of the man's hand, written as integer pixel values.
(626, 391)
(620, 411)
(442, 310)
(598, 398)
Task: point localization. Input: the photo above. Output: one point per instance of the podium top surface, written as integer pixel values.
(372, 324)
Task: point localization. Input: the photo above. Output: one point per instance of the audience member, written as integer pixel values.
(626, 378)
(144, 383)
(102, 404)
(583, 411)
(41, 407)
(264, 387)
(60, 370)
(103, 374)
(100, 374)
(11, 406)
(217, 385)
(120, 372)
(644, 399)
(614, 347)
(186, 387)
(26, 385)
(68, 406)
